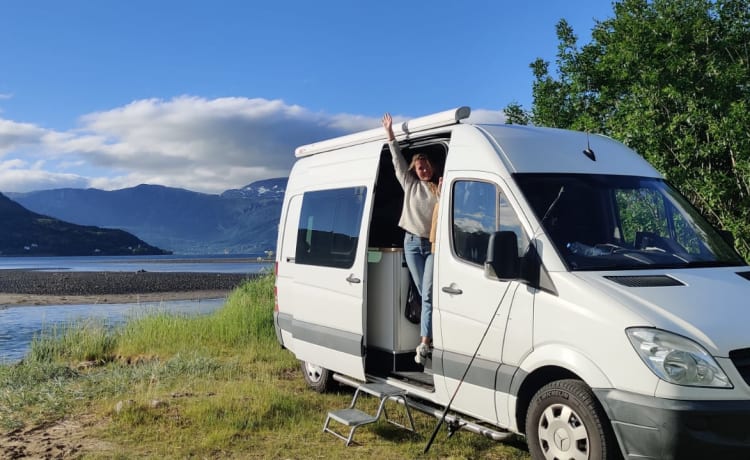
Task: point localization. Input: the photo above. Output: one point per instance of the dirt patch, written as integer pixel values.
(67, 438)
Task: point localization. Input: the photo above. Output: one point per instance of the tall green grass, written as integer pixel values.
(246, 320)
(85, 340)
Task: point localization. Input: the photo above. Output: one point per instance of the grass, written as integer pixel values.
(171, 386)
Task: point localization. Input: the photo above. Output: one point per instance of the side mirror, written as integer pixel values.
(502, 256)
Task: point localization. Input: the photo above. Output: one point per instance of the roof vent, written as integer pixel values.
(646, 281)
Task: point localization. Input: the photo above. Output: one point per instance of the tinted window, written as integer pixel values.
(480, 209)
(329, 227)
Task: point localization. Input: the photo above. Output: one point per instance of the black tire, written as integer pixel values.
(565, 421)
(318, 378)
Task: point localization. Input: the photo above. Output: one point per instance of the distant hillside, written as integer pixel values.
(23, 232)
(241, 221)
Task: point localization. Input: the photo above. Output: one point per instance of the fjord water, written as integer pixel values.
(164, 263)
(18, 325)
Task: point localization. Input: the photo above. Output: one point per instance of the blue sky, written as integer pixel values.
(214, 95)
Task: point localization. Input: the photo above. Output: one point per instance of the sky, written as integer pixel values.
(214, 95)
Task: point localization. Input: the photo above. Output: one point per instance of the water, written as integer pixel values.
(18, 325)
(164, 263)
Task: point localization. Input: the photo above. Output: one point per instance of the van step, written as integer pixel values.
(354, 418)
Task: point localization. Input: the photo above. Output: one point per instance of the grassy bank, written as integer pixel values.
(219, 385)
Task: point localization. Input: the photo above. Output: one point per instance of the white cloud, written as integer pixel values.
(15, 135)
(205, 145)
(5, 96)
(18, 176)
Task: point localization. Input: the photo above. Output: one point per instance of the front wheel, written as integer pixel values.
(565, 421)
(318, 378)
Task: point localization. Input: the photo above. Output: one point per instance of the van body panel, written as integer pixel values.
(588, 323)
(480, 312)
(326, 304)
(710, 306)
(565, 356)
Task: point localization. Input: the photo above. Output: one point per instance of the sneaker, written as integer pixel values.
(423, 353)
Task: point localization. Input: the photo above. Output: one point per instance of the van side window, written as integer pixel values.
(478, 210)
(329, 227)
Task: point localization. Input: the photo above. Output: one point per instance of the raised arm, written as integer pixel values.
(388, 126)
(399, 163)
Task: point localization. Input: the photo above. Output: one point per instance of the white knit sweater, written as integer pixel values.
(419, 198)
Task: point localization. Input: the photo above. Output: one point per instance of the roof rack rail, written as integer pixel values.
(436, 120)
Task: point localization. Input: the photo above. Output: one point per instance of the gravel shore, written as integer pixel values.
(28, 287)
(103, 283)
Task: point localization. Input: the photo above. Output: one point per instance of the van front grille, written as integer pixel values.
(741, 360)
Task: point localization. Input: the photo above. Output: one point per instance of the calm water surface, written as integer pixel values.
(170, 263)
(18, 325)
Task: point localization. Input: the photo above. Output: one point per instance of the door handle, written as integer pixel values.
(451, 290)
(353, 279)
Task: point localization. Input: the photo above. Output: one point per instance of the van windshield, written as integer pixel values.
(609, 222)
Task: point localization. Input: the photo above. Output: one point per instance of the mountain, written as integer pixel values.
(23, 232)
(240, 221)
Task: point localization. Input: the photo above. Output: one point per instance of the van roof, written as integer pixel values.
(436, 120)
(553, 150)
(522, 148)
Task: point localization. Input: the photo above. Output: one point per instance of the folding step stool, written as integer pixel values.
(355, 418)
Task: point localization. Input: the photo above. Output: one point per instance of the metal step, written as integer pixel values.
(354, 418)
(434, 409)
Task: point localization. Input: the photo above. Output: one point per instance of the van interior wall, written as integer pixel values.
(389, 198)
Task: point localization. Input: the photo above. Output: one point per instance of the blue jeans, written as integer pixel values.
(418, 255)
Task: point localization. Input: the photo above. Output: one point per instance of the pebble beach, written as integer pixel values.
(29, 287)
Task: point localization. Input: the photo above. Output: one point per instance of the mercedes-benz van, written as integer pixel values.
(579, 299)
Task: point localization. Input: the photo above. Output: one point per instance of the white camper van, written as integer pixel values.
(579, 299)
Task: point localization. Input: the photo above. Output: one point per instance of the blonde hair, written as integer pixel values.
(433, 179)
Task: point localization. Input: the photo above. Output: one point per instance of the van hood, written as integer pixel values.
(710, 305)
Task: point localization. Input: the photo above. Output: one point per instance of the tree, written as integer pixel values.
(671, 79)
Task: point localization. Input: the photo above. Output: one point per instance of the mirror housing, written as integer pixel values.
(502, 261)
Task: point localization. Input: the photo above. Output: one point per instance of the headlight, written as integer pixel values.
(677, 360)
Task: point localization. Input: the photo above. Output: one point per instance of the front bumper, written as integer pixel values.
(657, 428)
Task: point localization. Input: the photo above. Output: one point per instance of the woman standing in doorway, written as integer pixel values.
(420, 185)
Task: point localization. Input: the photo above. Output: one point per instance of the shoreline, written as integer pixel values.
(37, 300)
(34, 288)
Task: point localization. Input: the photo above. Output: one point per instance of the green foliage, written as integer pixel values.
(671, 79)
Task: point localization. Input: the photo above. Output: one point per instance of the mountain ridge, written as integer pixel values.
(237, 221)
(26, 233)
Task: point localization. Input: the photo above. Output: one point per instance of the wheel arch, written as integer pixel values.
(547, 364)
